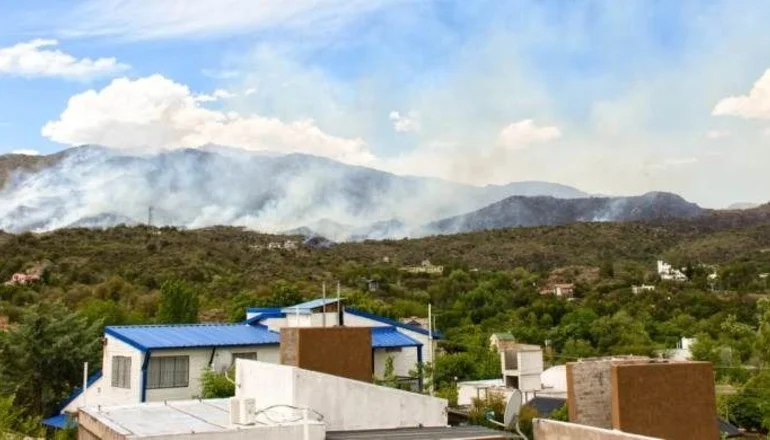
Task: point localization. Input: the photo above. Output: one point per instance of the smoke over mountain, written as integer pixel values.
(98, 187)
(94, 186)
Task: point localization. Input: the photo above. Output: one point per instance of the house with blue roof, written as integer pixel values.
(332, 311)
(150, 363)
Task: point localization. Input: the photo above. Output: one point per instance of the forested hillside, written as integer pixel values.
(491, 281)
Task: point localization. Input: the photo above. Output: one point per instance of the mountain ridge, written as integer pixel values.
(95, 187)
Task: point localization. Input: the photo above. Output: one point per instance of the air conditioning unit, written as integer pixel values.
(243, 411)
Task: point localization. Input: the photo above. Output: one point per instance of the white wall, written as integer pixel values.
(101, 392)
(274, 323)
(345, 404)
(529, 382)
(199, 360)
(406, 360)
(530, 362)
(380, 358)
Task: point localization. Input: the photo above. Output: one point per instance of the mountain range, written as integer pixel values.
(93, 186)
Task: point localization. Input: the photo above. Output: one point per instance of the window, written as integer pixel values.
(393, 350)
(121, 372)
(168, 372)
(250, 355)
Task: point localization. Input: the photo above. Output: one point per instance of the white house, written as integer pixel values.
(150, 363)
(522, 366)
(643, 288)
(668, 273)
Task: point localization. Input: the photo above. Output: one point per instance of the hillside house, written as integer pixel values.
(425, 267)
(561, 290)
(153, 363)
(668, 273)
(23, 279)
(501, 341)
(643, 288)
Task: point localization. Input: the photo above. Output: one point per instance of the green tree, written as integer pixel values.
(577, 349)
(388, 378)
(14, 424)
(750, 408)
(216, 385)
(607, 269)
(762, 343)
(178, 303)
(41, 358)
(561, 414)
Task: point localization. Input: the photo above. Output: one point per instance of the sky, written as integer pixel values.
(612, 97)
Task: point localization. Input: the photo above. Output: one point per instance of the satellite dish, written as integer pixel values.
(512, 410)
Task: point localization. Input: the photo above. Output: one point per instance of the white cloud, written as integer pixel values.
(717, 134)
(35, 58)
(155, 112)
(26, 152)
(218, 94)
(404, 123)
(152, 19)
(250, 91)
(755, 105)
(524, 133)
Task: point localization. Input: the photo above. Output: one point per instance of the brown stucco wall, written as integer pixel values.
(589, 396)
(672, 400)
(553, 430)
(341, 351)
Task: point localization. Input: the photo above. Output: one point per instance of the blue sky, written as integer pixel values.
(614, 97)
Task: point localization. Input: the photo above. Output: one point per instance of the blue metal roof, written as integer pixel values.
(394, 323)
(262, 313)
(390, 337)
(307, 306)
(60, 422)
(263, 310)
(154, 337)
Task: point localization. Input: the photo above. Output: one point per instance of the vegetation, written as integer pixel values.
(178, 303)
(216, 385)
(490, 283)
(41, 358)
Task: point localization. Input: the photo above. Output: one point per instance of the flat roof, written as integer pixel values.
(165, 418)
(441, 433)
(170, 418)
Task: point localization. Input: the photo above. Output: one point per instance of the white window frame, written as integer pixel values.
(121, 372)
(168, 372)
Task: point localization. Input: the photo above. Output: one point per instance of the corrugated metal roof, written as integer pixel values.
(153, 337)
(390, 337)
(61, 421)
(360, 313)
(309, 305)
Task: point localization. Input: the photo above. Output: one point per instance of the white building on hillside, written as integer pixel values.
(668, 273)
(151, 363)
(521, 367)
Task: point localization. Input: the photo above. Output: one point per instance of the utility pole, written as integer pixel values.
(323, 314)
(339, 306)
(85, 384)
(430, 341)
